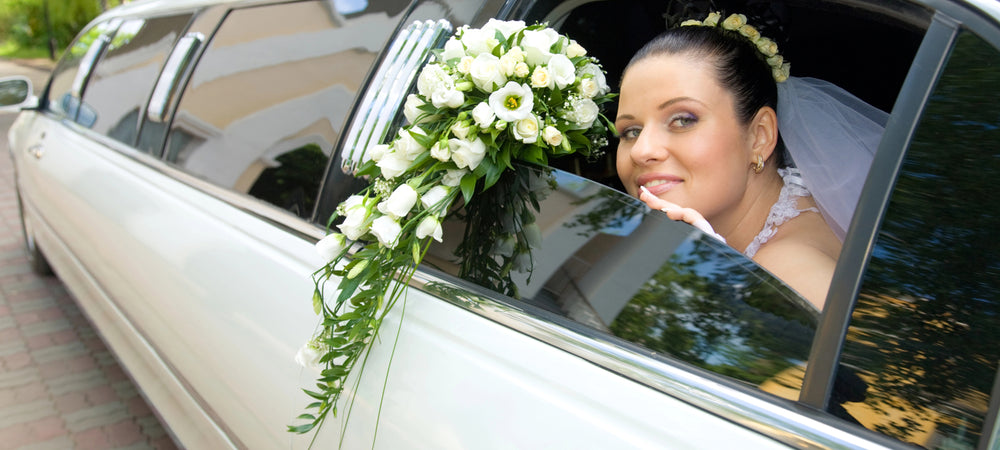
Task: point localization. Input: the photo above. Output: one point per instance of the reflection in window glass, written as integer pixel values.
(925, 334)
(61, 99)
(123, 78)
(595, 256)
(269, 97)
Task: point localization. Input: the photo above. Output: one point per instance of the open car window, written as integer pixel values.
(602, 259)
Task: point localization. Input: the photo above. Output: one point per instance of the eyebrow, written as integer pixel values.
(662, 106)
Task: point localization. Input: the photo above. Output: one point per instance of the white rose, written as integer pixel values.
(433, 78)
(538, 45)
(309, 355)
(552, 136)
(467, 153)
(583, 112)
(512, 102)
(589, 88)
(387, 230)
(453, 177)
(507, 64)
(521, 70)
(411, 108)
(486, 72)
(506, 28)
(540, 78)
(465, 64)
(393, 164)
(526, 130)
(447, 97)
(433, 196)
(453, 49)
(407, 146)
(562, 71)
(330, 246)
(400, 202)
(575, 49)
(483, 115)
(440, 152)
(477, 41)
(377, 151)
(597, 75)
(429, 226)
(353, 225)
(734, 21)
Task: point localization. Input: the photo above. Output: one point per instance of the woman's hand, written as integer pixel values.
(676, 212)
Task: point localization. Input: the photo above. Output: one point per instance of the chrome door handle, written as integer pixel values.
(37, 151)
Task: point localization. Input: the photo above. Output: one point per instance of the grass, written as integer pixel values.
(10, 49)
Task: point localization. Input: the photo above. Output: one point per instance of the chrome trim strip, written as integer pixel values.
(87, 64)
(793, 426)
(179, 59)
(391, 82)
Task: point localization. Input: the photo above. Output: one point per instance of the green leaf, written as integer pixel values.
(468, 186)
(301, 429)
(306, 417)
(347, 288)
(315, 395)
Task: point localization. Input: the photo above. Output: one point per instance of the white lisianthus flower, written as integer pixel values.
(461, 129)
(386, 229)
(507, 64)
(505, 246)
(400, 202)
(309, 355)
(597, 75)
(540, 78)
(538, 45)
(440, 152)
(486, 73)
(407, 146)
(562, 71)
(552, 136)
(354, 225)
(506, 28)
(433, 196)
(453, 177)
(512, 102)
(377, 151)
(483, 115)
(433, 78)
(583, 112)
(526, 129)
(393, 164)
(522, 262)
(453, 49)
(352, 202)
(411, 108)
(521, 70)
(575, 49)
(447, 97)
(477, 41)
(429, 226)
(465, 65)
(467, 154)
(533, 235)
(330, 246)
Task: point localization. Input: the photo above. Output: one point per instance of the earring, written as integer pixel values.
(758, 163)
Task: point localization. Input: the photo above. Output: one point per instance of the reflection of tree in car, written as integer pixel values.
(294, 183)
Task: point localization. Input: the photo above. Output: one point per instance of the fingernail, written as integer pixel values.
(643, 189)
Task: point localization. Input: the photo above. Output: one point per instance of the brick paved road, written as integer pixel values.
(60, 387)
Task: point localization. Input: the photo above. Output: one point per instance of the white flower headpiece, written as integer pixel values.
(767, 47)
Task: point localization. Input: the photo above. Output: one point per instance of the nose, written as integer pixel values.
(647, 148)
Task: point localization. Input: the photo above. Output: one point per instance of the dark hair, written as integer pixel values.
(740, 67)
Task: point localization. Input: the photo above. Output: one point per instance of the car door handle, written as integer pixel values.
(36, 150)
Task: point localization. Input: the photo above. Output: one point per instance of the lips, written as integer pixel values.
(658, 183)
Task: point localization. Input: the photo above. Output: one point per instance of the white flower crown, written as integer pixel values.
(738, 22)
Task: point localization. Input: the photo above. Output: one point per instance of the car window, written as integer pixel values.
(599, 258)
(123, 77)
(269, 96)
(924, 338)
(67, 76)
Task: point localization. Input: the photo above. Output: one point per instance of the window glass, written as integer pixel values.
(61, 98)
(924, 338)
(123, 78)
(599, 258)
(269, 97)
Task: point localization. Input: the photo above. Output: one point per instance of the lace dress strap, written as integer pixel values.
(783, 210)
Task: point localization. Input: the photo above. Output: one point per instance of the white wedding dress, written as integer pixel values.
(783, 210)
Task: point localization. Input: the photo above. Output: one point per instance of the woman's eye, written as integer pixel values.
(630, 133)
(683, 120)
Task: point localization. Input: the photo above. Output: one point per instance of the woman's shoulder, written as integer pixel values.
(803, 254)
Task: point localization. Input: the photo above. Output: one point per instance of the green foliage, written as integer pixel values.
(23, 22)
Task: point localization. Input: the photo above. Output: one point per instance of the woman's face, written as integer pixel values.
(680, 137)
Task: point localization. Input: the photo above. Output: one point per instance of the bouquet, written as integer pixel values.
(490, 96)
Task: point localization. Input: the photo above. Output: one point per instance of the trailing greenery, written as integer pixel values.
(24, 31)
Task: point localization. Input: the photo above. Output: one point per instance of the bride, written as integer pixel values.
(698, 121)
